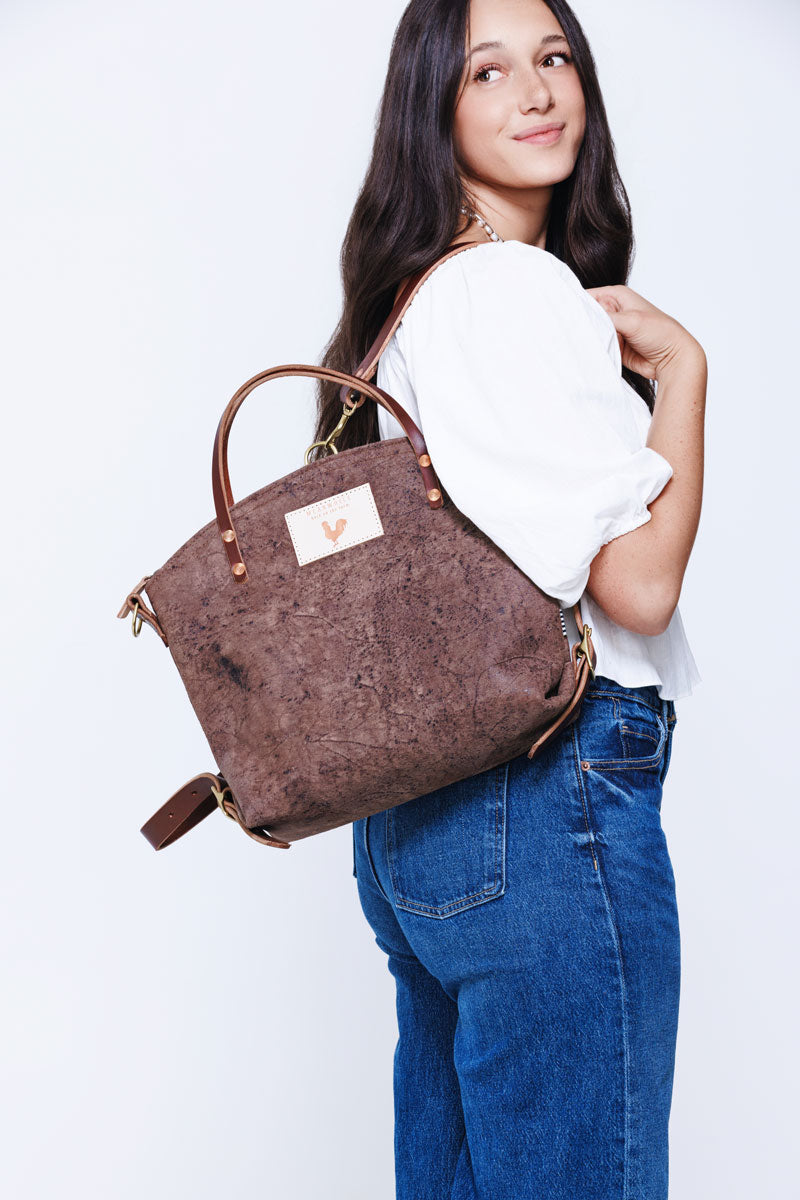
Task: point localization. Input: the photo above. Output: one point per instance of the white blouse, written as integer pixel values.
(513, 373)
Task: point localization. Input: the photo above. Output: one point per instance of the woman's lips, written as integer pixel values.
(543, 139)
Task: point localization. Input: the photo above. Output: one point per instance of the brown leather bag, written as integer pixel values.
(365, 650)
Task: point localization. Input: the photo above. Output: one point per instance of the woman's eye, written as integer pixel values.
(484, 71)
(561, 54)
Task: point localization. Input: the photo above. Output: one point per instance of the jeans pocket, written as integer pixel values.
(619, 732)
(446, 850)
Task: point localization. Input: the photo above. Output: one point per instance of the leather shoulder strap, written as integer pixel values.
(407, 290)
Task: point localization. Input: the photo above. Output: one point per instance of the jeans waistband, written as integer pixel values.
(647, 694)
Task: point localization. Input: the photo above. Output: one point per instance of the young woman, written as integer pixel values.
(529, 913)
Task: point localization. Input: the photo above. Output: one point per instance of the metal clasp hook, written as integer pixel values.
(328, 443)
(583, 648)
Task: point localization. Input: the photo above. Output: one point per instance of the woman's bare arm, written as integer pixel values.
(637, 578)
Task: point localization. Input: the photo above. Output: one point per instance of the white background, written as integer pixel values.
(216, 1019)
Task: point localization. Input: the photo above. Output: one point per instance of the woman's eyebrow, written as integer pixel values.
(550, 37)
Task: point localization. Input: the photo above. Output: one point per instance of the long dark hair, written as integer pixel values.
(408, 210)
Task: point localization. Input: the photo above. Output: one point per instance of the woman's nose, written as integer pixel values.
(534, 92)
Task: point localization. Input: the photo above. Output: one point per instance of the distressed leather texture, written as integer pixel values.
(340, 688)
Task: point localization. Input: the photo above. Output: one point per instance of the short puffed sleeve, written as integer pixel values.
(529, 423)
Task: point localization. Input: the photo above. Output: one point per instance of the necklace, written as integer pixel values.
(475, 216)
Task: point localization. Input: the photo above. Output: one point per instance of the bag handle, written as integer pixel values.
(220, 480)
(357, 383)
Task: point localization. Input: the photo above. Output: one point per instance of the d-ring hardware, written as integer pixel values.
(136, 631)
(220, 795)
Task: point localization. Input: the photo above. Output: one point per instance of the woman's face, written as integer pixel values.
(527, 82)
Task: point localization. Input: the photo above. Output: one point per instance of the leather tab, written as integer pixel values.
(190, 805)
(134, 603)
(185, 809)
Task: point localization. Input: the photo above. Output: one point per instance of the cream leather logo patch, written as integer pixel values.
(335, 523)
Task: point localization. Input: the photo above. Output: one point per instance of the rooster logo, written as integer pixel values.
(337, 531)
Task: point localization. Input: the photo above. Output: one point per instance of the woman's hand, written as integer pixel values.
(649, 340)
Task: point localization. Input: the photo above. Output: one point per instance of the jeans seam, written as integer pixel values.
(581, 792)
(501, 793)
(369, 858)
(623, 987)
(662, 775)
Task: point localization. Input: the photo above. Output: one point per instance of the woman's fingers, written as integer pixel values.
(648, 338)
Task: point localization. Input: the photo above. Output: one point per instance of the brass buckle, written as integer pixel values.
(328, 443)
(583, 648)
(220, 794)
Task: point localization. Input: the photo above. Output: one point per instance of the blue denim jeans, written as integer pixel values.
(529, 918)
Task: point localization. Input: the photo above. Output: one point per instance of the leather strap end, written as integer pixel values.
(572, 711)
(190, 805)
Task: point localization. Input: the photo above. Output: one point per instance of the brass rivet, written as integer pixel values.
(238, 569)
(585, 765)
(434, 494)
(424, 460)
(228, 535)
